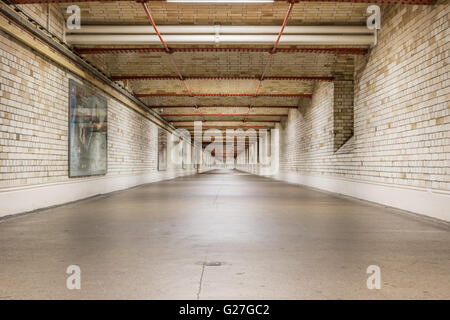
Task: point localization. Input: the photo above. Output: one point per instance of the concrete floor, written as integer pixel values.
(273, 241)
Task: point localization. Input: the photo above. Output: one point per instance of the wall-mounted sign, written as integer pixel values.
(87, 131)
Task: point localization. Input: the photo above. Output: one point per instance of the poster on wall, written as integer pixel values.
(162, 149)
(87, 131)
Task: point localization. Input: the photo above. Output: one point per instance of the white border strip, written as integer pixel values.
(428, 202)
(30, 198)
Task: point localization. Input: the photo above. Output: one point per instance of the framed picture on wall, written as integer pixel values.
(88, 113)
(162, 149)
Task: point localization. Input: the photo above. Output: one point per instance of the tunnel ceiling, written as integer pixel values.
(222, 83)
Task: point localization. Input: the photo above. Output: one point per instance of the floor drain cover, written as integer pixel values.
(213, 264)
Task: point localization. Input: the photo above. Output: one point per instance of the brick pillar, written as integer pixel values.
(342, 111)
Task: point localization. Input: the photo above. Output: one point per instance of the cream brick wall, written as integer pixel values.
(401, 111)
(399, 154)
(306, 138)
(34, 127)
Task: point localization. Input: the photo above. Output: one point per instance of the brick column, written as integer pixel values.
(342, 111)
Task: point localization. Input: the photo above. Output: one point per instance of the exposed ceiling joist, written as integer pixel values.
(230, 106)
(409, 2)
(221, 114)
(121, 78)
(220, 126)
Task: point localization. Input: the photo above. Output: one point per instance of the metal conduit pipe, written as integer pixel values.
(77, 39)
(218, 29)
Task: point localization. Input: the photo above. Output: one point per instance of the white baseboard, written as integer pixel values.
(25, 199)
(428, 202)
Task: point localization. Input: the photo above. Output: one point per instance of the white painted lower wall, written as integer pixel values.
(427, 202)
(25, 199)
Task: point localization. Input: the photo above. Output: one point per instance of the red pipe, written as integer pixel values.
(356, 51)
(119, 78)
(154, 27)
(274, 49)
(232, 134)
(292, 95)
(288, 13)
(223, 141)
(166, 48)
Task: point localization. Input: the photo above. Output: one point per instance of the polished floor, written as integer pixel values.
(223, 235)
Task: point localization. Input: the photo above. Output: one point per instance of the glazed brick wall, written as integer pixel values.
(401, 109)
(34, 124)
(306, 138)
